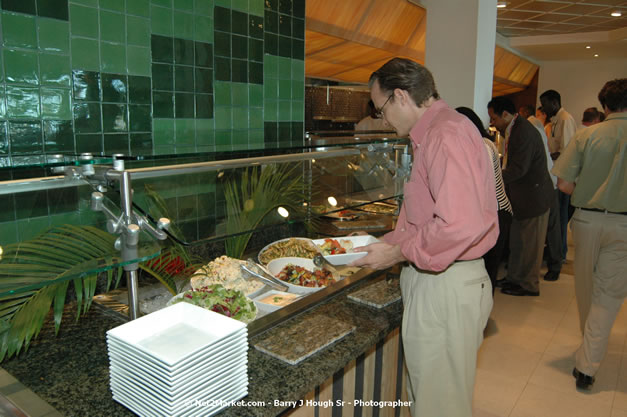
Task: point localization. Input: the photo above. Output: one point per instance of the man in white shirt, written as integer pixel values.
(563, 128)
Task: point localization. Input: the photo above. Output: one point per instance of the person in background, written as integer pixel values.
(494, 256)
(591, 116)
(563, 127)
(553, 256)
(447, 222)
(546, 122)
(372, 121)
(529, 189)
(596, 159)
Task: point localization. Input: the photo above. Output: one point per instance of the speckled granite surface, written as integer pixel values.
(71, 371)
(380, 294)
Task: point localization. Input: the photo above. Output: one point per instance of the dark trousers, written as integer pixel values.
(526, 242)
(565, 214)
(494, 256)
(554, 246)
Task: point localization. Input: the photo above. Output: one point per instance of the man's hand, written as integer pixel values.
(381, 255)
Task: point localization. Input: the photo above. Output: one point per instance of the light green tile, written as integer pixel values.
(271, 89)
(203, 7)
(3, 113)
(92, 3)
(285, 111)
(55, 70)
(256, 139)
(185, 132)
(164, 150)
(223, 3)
(270, 66)
(255, 95)
(56, 103)
(22, 102)
(116, 5)
(256, 118)
(239, 94)
(21, 66)
(240, 117)
(113, 58)
(223, 139)
(19, 30)
(138, 7)
(161, 21)
(203, 29)
(298, 90)
(84, 21)
(137, 31)
(256, 7)
(163, 132)
(54, 35)
(223, 117)
(162, 3)
(183, 25)
(285, 89)
(112, 27)
(298, 70)
(85, 54)
(222, 91)
(241, 5)
(138, 61)
(204, 135)
(285, 68)
(270, 111)
(298, 111)
(185, 149)
(187, 5)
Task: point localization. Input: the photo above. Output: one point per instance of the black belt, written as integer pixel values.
(604, 211)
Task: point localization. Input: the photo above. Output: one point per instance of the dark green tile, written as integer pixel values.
(285, 6)
(31, 204)
(203, 54)
(272, 5)
(255, 26)
(271, 22)
(285, 131)
(141, 144)
(138, 60)
(204, 80)
(86, 85)
(204, 106)
(285, 46)
(7, 211)
(56, 103)
(116, 5)
(114, 88)
(223, 44)
(140, 119)
(63, 200)
(19, 30)
(223, 69)
(183, 51)
(285, 25)
(114, 118)
(89, 143)
(4, 140)
(255, 50)
(20, 6)
(271, 44)
(84, 21)
(55, 70)
(58, 136)
(184, 105)
(239, 71)
(163, 77)
(183, 25)
(162, 49)
(239, 47)
(113, 57)
(270, 131)
(21, 67)
(255, 72)
(163, 104)
(184, 78)
(137, 31)
(138, 8)
(161, 21)
(298, 28)
(87, 118)
(222, 19)
(239, 23)
(298, 8)
(139, 89)
(54, 35)
(298, 49)
(55, 9)
(116, 143)
(25, 137)
(22, 102)
(85, 54)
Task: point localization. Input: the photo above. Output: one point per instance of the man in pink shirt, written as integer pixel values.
(447, 222)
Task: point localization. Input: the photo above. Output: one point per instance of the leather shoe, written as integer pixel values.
(583, 381)
(518, 291)
(504, 283)
(552, 276)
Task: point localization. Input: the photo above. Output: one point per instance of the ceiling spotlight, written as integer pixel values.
(588, 46)
(616, 14)
(501, 4)
(596, 55)
(283, 212)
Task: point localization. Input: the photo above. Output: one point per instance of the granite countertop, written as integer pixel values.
(71, 371)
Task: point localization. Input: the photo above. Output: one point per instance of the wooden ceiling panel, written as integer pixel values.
(344, 14)
(316, 42)
(393, 21)
(354, 54)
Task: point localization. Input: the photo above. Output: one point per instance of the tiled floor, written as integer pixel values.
(526, 360)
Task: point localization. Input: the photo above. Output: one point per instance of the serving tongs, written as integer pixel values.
(258, 272)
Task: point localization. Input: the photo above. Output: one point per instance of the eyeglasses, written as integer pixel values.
(380, 111)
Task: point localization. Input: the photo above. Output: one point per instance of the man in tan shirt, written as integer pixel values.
(596, 159)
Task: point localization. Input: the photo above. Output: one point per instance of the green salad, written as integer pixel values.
(231, 303)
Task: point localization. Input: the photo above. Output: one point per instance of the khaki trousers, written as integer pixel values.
(443, 320)
(600, 280)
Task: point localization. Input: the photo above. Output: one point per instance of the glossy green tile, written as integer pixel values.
(285, 132)
(255, 72)
(87, 118)
(298, 90)
(162, 48)
(55, 70)
(298, 111)
(164, 150)
(163, 3)
(205, 132)
(285, 89)
(239, 23)
(20, 6)
(140, 119)
(271, 5)
(116, 5)
(255, 27)
(92, 3)
(223, 44)
(222, 19)
(114, 88)
(4, 141)
(203, 54)
(113, 57)
(255, 138)
(138, 60)
(85, 54)
(271, 43)
(285, 25)
(137, 31)
(203, 7)
(240, 5)
(298, 70)
(223, 117)
(285, 46)
(184, 105)
(161, 21)
(139, 89)
(185, 132)
(25, 137)
(7, 210)
(239, 94)
(22, 102)
(271, 22)
(223, 3)
(55, 9)
(203, 80)
(186, 5)
(239, 46)
(54, 35)
(298, 49)
(298, 8)
(285, 6)
(298, 28)
(89, 143)
(270, 110)
(255, 50)
(21, 67)
(84, 21)
(19, 30)
(240, 117)
(222, 92)
(114, 118)
(271, 66)
(56, 103)
(223, 141)
(163, 104)
(222, 69)
(255, 95)
(163, 77)
(285, 110)
(184, 78)
(285, 68)
(116, 143)
(239, 70)
(203, 28)
(141, 144)
(204, 106)
(163, 131)
(256, 118)
(112, 27)
(1, 67)
(256, 7)
(58, 136)
(183, 25)
(86, 85)
(138, 8)
(271, 89)
(183, 51)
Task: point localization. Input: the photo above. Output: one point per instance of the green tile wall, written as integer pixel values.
(142, 77)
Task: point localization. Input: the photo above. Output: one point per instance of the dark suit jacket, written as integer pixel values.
(527, 180)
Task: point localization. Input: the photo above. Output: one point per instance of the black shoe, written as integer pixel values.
(552, 276)
(504, 283)
(519, 291)
(583, 381)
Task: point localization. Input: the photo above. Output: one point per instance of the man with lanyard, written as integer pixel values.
(447, 222)
(596, 160)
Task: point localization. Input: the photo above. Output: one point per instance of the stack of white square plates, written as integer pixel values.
(182, 360)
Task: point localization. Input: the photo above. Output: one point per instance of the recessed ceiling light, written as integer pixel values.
(596, 55)
(501, 4)
(588, 46)
(616, 14)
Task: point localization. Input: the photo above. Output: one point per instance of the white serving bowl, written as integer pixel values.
(276, 265)
(346, 258)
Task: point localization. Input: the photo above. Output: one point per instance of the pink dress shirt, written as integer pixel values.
(449, 211)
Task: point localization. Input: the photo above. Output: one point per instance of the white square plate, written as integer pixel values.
(346, 258)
